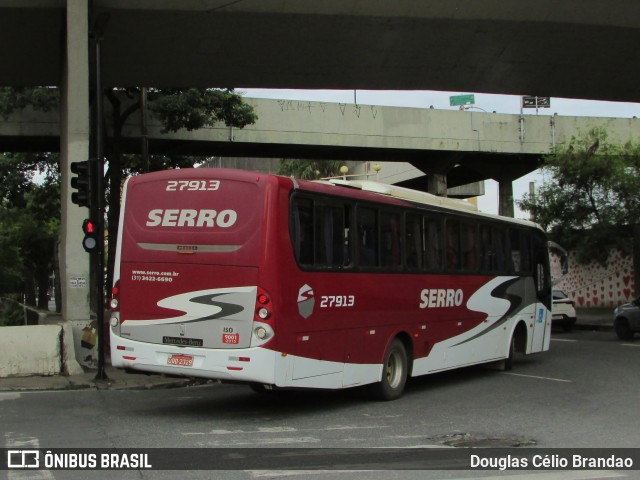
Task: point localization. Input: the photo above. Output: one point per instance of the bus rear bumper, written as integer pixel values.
(241, 365)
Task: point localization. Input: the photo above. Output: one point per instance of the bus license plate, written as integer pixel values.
(180, 360)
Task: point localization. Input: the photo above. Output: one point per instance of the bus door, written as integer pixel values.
(542, 280)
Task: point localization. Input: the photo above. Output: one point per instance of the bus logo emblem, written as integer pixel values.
(306, 301)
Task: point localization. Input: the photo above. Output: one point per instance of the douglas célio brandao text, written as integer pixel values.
(549, 461)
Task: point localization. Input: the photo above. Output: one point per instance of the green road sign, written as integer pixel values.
(458, 100)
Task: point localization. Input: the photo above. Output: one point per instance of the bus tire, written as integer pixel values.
(394, 373)
(508, 362)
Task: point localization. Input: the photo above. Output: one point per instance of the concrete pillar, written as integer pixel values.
(437, 184)
(505, 198)
(74, 146)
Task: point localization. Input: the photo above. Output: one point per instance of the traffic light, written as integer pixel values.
(90, 240)
(82, 183)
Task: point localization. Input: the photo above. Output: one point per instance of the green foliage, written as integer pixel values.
(592, 199)
(195, 108)
(29, 219)
(11, 312)
(132, 164)
(188, 109)
(30, 210)
(309, 169)
(39, 98)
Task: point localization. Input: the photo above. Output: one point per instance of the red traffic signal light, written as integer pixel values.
(88, 226)
(90, 240)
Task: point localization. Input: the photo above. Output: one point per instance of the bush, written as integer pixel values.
(11, 312)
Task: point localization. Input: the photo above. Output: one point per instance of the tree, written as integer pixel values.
(309, 169)
(42, 99)
(188, 109)
(29, 224)
(592, 201)
(176, 109)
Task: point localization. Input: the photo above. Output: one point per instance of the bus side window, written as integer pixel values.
(413, 241)
(500, 246)
(331, 236)
(367, 222)
(469, 247)
(433, 243)
(526, 252)
(390, 240)
(487, 251)
(302, 230)
(516, 250)
(453, 244)
(346, 241)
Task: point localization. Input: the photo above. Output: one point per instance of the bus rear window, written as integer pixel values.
(203, 217)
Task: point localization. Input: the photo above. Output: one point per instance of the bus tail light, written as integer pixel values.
(264, 306)
(114, 321)
(115, 297)
(263, 319)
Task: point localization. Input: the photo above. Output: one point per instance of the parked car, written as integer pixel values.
(627, 319)
(563, 310)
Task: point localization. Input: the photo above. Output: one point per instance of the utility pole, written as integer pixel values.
(143, 130)
(98, 206)
(532, 197)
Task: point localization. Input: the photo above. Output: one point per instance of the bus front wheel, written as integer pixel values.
(394, 373)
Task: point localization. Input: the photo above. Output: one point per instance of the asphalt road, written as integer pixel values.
(582, 394)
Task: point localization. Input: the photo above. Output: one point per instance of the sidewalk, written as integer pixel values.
(117, 380)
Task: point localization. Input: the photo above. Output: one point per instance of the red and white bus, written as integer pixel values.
(282, 283)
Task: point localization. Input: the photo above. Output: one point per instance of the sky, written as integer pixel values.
(440, 100)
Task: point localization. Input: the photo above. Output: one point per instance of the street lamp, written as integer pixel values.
(467, 107)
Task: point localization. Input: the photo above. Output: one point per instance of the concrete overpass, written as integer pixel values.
(561, 48)
(460, 146)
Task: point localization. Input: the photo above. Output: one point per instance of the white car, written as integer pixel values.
(563, 310)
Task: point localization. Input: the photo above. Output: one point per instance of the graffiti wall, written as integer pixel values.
(595, 285)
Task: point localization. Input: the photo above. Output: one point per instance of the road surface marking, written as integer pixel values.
(302, 473)
(272, 430)
(20, 442)
(563, 340)
(9, 396)
(630, 344)
(539, 378)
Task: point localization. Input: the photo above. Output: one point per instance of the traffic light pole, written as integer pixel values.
(98, 170)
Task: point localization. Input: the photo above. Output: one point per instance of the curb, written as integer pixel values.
(88, 382)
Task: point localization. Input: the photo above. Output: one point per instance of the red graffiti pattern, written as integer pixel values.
(596, 285)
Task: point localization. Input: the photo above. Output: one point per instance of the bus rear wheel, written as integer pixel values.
(508, 362)
(394, 373)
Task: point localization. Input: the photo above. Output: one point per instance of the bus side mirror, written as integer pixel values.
(564, 256)
(564, 264)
